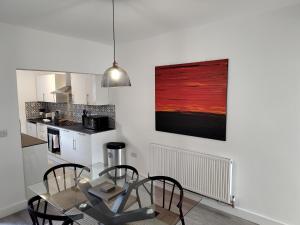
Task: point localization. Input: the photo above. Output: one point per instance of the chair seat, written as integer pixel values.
(68, 198)
(166, 216)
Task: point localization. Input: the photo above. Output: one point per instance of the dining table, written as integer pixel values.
(71, 196)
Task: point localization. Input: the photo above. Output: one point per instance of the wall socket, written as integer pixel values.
(133, 154)
(3, 133)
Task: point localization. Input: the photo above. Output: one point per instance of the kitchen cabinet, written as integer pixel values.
(87, 90)
(82, 145)
(91, 86)
(75, 147)
(40, 87)
(42, 132)
(31, 129)
(79, 92)
(67, 145)
(101, 94)
(45, 85)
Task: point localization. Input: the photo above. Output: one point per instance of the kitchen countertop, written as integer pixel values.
(74, 127)
(28, 141)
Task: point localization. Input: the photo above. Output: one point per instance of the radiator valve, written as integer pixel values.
(233, 201)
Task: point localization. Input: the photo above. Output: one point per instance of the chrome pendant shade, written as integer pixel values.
(115, 76)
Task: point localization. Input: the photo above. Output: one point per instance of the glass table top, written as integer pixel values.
(89, 199)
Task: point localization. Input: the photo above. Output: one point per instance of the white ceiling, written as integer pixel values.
(136, 19)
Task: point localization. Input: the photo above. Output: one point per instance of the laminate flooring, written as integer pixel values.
(199, 215)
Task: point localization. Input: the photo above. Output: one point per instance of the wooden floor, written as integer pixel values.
(204, 215)
(200, 215)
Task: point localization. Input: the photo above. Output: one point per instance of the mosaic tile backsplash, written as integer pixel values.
(70, 111)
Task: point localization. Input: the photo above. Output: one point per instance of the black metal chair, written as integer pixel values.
(37, 207)
(164, 180)
(68, 222)
(77, 172)
(129, 172)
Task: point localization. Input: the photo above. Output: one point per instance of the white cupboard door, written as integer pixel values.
(45, 84)
(79, 93)
(101, 94)
(90, 84)
(31, 129)
(49, 88)
(86, 89)
(67, 146)
(39, 92)
(40, 88)
(83, 149)
(42, 132)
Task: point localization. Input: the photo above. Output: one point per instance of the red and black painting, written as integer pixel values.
(191, 99)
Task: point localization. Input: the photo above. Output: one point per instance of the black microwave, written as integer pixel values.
(93, 122)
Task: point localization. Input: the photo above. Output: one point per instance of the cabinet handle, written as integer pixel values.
(87, 99)
(73, 145)
(43, 97)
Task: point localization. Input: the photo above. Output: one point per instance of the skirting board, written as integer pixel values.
(13, 208)
(242, 213)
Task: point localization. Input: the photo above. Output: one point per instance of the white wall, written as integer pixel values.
(26, 87)
(28, 49)
(263, 104)
(263, 101)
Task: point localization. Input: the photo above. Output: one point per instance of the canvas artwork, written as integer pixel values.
(191, 99)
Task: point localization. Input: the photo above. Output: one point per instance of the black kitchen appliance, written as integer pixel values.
(95, 122)
(56, 118)
(53, 140)
(42, 112)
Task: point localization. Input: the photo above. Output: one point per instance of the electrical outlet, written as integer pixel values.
(133, 155)
(3, 133)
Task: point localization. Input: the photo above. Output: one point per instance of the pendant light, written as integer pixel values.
(115, 76)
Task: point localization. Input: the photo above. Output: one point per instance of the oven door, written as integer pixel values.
(53, 140)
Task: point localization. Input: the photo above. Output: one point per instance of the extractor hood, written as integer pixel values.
(63, 90)
(62, 84)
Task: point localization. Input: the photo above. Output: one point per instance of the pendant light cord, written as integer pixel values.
(114, 35)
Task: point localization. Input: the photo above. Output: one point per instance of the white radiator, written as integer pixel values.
(207, 175)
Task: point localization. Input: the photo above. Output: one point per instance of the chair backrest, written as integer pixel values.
(73, 169)
(129, 171)
(171, 182)
(37, 209)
